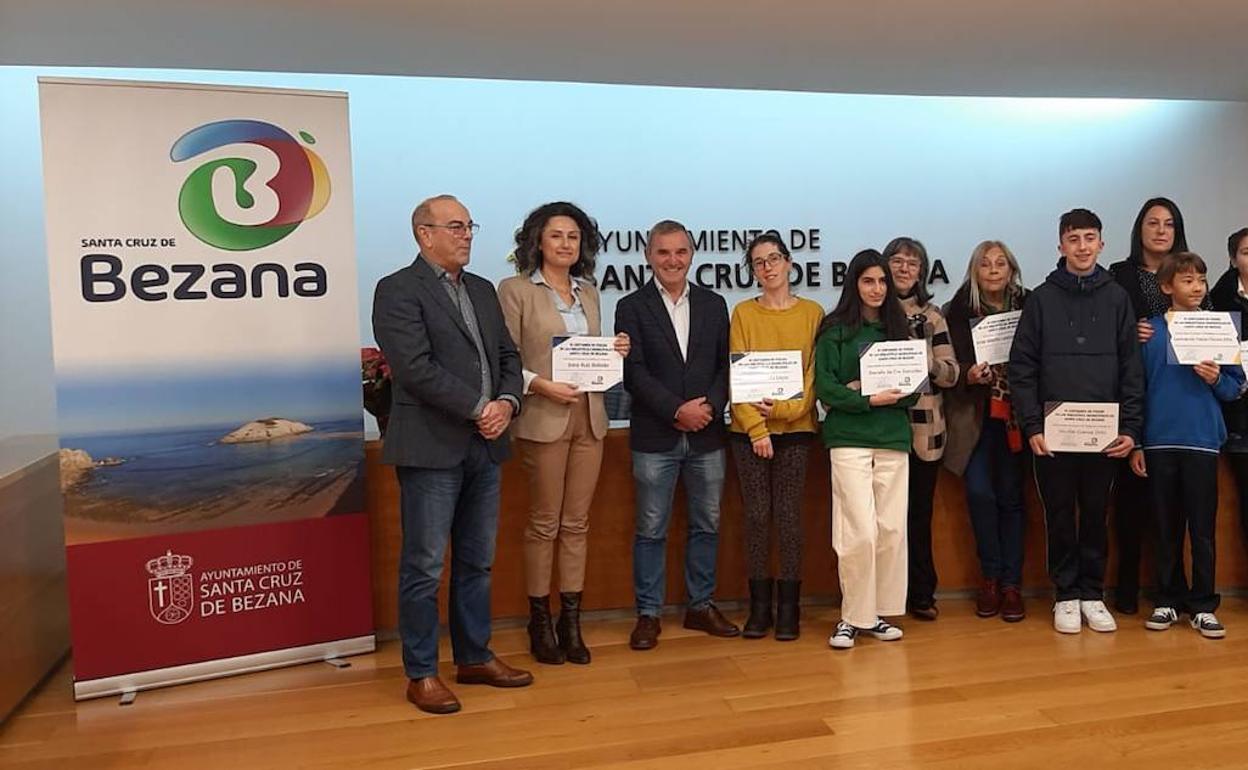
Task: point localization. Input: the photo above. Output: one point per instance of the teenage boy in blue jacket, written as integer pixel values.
(1076, 341)
(1183, 431)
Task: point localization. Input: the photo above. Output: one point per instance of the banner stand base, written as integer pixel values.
(129, 684)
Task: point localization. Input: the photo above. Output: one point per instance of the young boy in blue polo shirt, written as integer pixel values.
(1183, 431)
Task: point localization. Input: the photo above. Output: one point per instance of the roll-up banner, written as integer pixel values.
(202, 271)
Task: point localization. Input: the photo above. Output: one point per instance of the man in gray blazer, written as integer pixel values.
(457, 385)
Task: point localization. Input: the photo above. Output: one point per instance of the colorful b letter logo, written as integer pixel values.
(301, 183)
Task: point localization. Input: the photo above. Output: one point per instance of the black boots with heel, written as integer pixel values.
(568, 629)
(542, 642)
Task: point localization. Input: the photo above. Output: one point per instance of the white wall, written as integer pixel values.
(861, 169)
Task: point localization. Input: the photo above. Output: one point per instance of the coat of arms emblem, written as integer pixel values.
(171, 589)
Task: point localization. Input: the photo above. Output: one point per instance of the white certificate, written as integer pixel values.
(1243, 356)
(900, 365)
(993, 336)
(1079, 426)
(1199, 335)
(589, 363)
(774, 374)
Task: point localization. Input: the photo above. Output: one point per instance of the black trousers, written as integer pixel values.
(1075, 489)
(1239, 469)
(1184, 486)
(921, 588)
(1133, 522)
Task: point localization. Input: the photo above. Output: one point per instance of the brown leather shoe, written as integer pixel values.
(645, 634)
(1012, 609)
(495, 673)
(710, 620)
(988, 603)
(429, 694)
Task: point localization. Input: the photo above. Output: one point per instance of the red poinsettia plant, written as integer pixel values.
(375, 377)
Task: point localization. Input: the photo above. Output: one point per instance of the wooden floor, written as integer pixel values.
(961, 692)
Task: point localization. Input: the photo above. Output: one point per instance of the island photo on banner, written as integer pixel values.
(144, 455)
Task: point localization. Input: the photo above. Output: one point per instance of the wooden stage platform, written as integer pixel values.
(958, 693)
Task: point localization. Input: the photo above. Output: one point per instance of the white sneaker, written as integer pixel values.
(1161, 619)
(883, 630)
(843, 637)
(1066, 617)
(1098, 616)
(1208, 626)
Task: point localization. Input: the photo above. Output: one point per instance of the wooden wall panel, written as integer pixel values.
(34, 609)
(609, 574)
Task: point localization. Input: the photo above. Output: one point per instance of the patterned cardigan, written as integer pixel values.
(927, 419)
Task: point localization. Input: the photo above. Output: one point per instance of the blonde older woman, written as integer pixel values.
(986, 446)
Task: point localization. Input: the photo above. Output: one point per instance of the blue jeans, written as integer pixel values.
(994, 497)
(459, 505)
(655, 474)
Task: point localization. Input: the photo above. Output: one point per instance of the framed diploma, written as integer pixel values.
(993, 336)
(1079, 426)
(900, 364)
(589, 363)
(1199, 335)
(774, 374)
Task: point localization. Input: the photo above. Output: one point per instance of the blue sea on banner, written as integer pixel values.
(186, 463)
(189, 478)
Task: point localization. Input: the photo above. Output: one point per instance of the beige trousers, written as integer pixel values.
(562, 476)
(869, 490)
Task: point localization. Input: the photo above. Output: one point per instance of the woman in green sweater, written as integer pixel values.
(771, 440)
(868, 439)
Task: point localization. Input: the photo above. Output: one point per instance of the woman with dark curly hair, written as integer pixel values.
(559, 431)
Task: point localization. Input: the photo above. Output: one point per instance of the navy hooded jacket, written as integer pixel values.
(1076, 341)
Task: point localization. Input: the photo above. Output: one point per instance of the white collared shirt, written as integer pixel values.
(575, 322)
(678, 311)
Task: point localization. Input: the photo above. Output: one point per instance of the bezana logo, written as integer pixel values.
(170, 590)
(301, 183)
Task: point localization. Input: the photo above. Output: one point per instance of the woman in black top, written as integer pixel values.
(1157, 233)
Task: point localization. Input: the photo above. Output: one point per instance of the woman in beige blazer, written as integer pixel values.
(559, 431)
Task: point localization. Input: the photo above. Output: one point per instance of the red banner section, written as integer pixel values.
(154, 602)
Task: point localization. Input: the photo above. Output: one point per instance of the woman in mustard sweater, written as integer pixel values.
(771, 440)
(868, 440)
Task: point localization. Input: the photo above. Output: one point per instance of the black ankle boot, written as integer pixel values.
(541, 635)
(759, 621)
(569, 628)
(788, 609)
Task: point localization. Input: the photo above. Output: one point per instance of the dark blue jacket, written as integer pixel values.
(1182, 410)
(1226, 297)
(1076, 341)
(659, 380)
